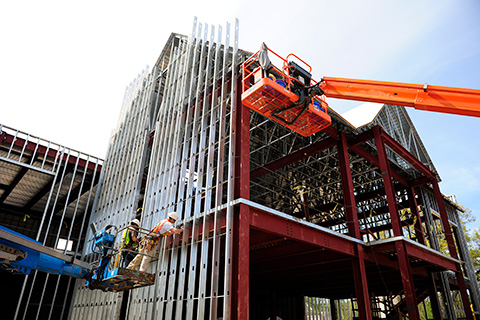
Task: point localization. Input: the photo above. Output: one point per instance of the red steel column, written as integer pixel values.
(403, 262)
(242, 229)
(387, 181)
(452, 249)
(359, 272)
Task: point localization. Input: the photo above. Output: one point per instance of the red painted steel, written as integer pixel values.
(404, 265)
(241, 264)
(407, 279)
(278, 226)
(359, 274)
(242, 228)
(361, 138)
(361, 285)
(274, 224)
(406, 155)
(452, 249)
(422, 253)
(347, 188)
(374, 160)
(19, 142)
(387, 180)
(427, 258)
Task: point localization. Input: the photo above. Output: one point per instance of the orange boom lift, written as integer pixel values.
(289, 95)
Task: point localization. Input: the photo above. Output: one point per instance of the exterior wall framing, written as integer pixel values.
(270, 217)
(51, 187)
(189, 169)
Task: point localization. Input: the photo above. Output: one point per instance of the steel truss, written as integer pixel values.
(369, 186)
(270, 217)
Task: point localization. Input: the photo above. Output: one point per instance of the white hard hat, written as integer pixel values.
(135, 221)
(173, 215)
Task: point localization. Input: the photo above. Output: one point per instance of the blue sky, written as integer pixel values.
(64, 66)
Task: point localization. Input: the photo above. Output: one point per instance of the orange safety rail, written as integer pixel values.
(423, 97)
(286, 68)
(271, 97)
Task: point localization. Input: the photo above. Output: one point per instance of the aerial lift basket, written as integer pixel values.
(275, 93)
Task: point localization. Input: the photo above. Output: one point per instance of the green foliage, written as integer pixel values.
(473, 240)
(472, 236)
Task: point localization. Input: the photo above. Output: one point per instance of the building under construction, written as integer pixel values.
(347, 223)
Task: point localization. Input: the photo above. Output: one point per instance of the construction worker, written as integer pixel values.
(149, 243)
(130, 241)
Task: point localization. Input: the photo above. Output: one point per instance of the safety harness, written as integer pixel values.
(153, 236)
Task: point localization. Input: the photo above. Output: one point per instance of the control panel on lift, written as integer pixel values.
(280, 93)
(116, 278)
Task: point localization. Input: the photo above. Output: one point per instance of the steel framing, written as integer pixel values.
(187, 104)
(264, 208)
(53, 185)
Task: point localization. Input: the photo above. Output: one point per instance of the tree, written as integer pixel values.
(472, 236)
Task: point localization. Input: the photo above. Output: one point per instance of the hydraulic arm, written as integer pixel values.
(423, 97)
(20, 254)
(289, 96)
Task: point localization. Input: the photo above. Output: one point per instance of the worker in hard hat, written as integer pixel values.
(130, 241)
(149, 243)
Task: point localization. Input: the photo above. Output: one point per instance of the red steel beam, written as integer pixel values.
(347, 187)
(407, 280)
(241, 260)
(424, 254)
(387, 181)
(406, 155)
(282, 227)
(361, 138)
(403, 262)
(350, 205)
(396, 147)
(452, 249)
(19, 142)
(373, 160)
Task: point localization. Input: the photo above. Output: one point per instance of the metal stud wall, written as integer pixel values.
(173, 137)
(52, 187)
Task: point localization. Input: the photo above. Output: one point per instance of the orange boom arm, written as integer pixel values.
(423, 97)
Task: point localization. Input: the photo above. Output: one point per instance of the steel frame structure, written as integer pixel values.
(46, 193)
(175, 133)
(398, 177)
(270, 217)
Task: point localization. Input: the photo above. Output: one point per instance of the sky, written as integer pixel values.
(65, 65)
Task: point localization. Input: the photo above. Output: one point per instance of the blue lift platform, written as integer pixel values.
(20, 254)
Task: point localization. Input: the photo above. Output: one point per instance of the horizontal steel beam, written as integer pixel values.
(262, 218)
(39, 149)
